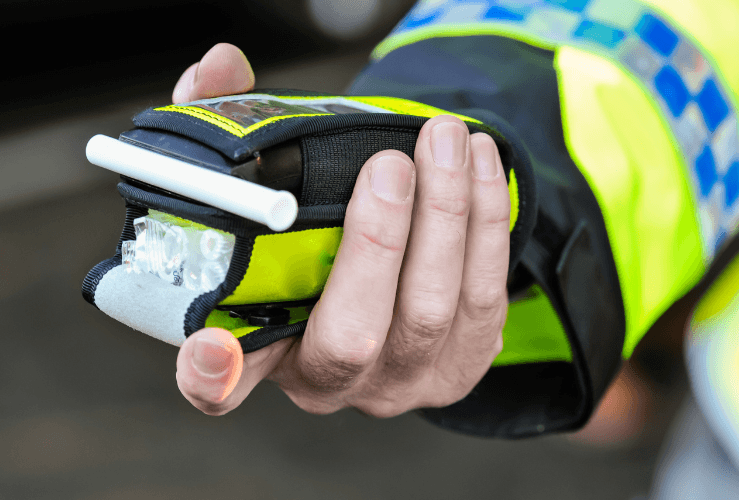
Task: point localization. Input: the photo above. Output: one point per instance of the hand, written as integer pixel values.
(413, 310)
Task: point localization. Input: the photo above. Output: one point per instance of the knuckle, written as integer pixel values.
(340, 354)
(332, 373)
(492, 212)
(483, 301)
(406, 359)
(450, 208)
(379, 244)
(498, 214)
(350, 343)
(375, 232)
(427, 325)
(371, 239)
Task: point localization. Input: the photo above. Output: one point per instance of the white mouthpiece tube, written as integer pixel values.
(276, 209)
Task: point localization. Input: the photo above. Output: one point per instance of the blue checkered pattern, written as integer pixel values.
(670, 66)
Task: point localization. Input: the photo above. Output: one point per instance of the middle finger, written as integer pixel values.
(430, 280)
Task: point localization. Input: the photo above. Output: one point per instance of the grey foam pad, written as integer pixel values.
(145, 303)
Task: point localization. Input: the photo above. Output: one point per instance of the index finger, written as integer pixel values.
(348, 326)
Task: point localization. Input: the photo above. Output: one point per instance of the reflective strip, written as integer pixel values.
(676, 73)
(210, 110)
(207, 116)
(230, 126)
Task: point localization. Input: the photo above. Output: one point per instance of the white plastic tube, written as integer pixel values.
(276, 209)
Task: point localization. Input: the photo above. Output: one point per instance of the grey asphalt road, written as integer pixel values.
(89, 409)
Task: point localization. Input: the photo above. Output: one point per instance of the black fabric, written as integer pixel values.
(91, 281)
(240, 149)
(332, 160)
(515, 156)
(588, 289)
(568, 253)
(179, 147)
(322, 213)
(279, 167)
(146, 196)
(515, 401)
(270, 334)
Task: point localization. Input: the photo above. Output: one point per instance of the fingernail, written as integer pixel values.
(211, 357)
(449, 145)
(486, 165)
(391, 178)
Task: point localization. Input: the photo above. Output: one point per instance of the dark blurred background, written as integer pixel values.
(89, 409)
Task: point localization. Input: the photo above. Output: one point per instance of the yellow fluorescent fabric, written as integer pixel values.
(616, 135)
(252, 128)
(457, 29)
(533, 333)
(240, 327)
(513, 194)
(288, 266)
(178, 221)
(720, 295)
(405, 107)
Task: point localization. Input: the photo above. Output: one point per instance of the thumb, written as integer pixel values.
(209, 366)
(223, 70)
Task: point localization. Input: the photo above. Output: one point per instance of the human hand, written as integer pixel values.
(413, 310)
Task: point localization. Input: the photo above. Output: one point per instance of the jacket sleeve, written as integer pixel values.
(552, 370)
(627, 117)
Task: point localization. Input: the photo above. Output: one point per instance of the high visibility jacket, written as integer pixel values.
(627, 110)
